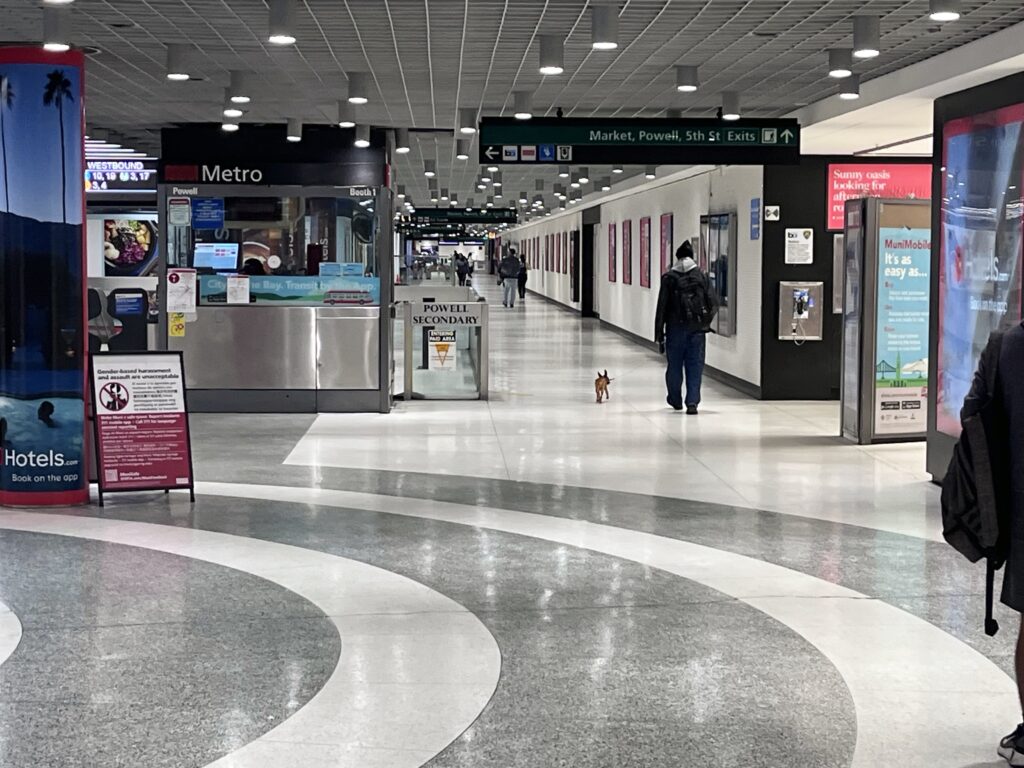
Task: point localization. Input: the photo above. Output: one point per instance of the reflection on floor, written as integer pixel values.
(579, 584)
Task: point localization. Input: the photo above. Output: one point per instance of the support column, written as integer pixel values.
(42, 279)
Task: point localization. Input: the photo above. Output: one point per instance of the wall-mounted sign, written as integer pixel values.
(641, 140)
(800, 245)
(120, 177)
(443, 351)
(435, 216)
(437, 314)
(755, 219)
(850, 181)
(772, 212)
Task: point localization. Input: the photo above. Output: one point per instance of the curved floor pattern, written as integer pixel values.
(391, 700)
(10, 632)
(909, 680)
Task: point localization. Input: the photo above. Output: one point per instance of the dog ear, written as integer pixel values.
(606, 373)
(599, 374)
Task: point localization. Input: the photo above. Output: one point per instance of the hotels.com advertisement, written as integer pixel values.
(854, 180)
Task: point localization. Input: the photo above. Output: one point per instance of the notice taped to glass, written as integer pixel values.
(142, 437)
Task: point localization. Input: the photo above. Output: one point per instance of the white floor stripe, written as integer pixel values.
(416, 668)
(10, 632)
(922, 697)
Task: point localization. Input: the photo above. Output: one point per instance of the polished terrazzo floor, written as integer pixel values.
(530, 581)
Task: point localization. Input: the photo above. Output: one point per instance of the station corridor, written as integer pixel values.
(534, 580)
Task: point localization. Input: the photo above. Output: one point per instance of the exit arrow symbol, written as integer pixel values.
(787, 135)
(490, 152)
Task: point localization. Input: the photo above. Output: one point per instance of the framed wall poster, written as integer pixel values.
(645, 252)
(565, 250)
(627, 252)
(666, 242)
(612, 255)
(558, 252)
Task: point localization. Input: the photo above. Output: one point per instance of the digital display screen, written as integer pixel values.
(220, 257)
(113, 176)
(980, 247)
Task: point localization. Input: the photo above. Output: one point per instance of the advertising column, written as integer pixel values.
(901, 350)
(42, 291)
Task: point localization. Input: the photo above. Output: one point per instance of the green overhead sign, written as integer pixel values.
(639, 141)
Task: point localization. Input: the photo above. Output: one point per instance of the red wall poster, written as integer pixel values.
(142, 437)
(666, 242)
(645, 252)
(612, 255)
(627, 252)
(852, 180)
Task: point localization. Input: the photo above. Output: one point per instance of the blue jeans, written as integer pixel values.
(685, 351)
(508, 287)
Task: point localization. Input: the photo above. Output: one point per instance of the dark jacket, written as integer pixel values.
(461, 265)
(509, 268)
(524, 274)
(669, 312)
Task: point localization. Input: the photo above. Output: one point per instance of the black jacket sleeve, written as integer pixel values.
(979, 394)
(661, 316)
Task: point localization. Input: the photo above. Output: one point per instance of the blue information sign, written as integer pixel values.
(755, 219)
(546, 153)
(207, 213)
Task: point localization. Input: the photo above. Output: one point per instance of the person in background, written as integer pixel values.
(508, 277)
(254, 268)
(521, 278)
(686, 306)
(461, 267)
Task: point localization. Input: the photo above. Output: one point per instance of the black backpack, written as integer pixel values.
(693, 300)
(974, 503)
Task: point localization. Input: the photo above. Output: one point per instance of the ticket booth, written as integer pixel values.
(289, 245)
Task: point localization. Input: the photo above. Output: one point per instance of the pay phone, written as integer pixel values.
(800, 311)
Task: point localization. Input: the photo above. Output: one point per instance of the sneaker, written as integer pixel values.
(674, 406)
(691, 410)
(1011, 748)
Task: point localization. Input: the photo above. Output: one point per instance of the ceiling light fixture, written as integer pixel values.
(730, 105)
(604, 27)
(469, 204)
(650, 172)
(467, 120)
(358, 88)
(574, 180)
(400, 192)
(240, 90)
(617, 169)
(497, 178)
(56, 23)
(552, 55)
(850, 88)
(229, 127)
(523, 198)
(346, 114)
(402, 141)
(485, 176)
(362, 136)
(523, 105)
(687, 78)
(944, 10)
(177, 69)
(430, 168)
(606, 184)
(563, 171)
(231, 110)
(444, 194)
(462, 149)
(840, 62)
(294, 130)
(867, 34)
(282, 22)
(584, 175)
(674, 114)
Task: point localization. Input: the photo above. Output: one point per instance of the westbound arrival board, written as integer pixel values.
(639, 141)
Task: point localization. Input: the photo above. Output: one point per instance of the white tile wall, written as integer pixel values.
(687, 196)
(550, 284)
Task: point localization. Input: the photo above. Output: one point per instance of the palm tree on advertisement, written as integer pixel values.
(58, 88)
(6, 102)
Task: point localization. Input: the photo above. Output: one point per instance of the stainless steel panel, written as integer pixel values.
(348, 340)
(250, 348)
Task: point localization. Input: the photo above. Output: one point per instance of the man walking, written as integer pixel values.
(686, 306)
(508, 276)
(1002, 362)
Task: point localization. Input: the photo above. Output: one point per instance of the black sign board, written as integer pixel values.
(639, 141)
(455, 215)
(109, 176)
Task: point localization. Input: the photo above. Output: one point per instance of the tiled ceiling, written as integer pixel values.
(429, 57)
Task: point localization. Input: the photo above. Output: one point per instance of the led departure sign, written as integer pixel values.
(639, 141)
(118, 176)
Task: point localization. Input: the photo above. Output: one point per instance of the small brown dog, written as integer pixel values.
(601, 386)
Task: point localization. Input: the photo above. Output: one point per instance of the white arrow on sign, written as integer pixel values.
(491, 152)
(787, 135)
